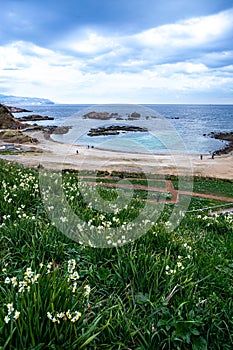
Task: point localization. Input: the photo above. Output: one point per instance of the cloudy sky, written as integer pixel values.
(118, 51)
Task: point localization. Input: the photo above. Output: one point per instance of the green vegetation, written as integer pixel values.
(8, 152)
(16, 136)
(197, 203)
(165, 290)
(209, 186)
(218, 187)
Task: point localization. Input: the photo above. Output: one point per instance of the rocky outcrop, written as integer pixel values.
(106, 116)
(16, 109)
(135, 115)
(34, 117)
(225, 136)
(54, 130)
(97, 115)
(7, 120)
(115, 130)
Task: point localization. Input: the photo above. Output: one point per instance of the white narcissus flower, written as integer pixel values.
(14, 281)
(7, 280)
(16, 316)
(7, 319)
(87, 290)
(10, 308)
(49, 315)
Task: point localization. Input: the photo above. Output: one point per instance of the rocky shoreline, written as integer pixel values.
(16, 109)
(13, 130)
(228, 136)
(8, 121)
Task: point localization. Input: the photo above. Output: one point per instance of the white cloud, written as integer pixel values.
(181, 67)
(185, 40)
(11, 57)
(191, 32)
(88, 42)
(41, 71)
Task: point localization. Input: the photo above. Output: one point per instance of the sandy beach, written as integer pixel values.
(56, 155)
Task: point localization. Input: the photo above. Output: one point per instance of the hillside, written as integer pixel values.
(7, 121)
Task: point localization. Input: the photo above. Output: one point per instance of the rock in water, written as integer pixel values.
(97, 115)
(34, 117)
(114, 130)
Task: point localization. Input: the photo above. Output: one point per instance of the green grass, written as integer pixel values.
(198, 203)
(165, 290)
(217, 187)
(144, 182)
(8, 152)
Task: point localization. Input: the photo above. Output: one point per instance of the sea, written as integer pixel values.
(170, 128)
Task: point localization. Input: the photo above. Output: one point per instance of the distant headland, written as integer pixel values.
(23, 101)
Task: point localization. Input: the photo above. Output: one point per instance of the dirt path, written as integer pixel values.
(169, 188)
(208, 196)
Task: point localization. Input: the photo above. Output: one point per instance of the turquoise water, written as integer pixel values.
(171, 127)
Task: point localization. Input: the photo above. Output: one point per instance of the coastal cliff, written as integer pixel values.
(7, 120)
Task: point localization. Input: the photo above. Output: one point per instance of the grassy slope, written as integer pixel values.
(166, 290)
